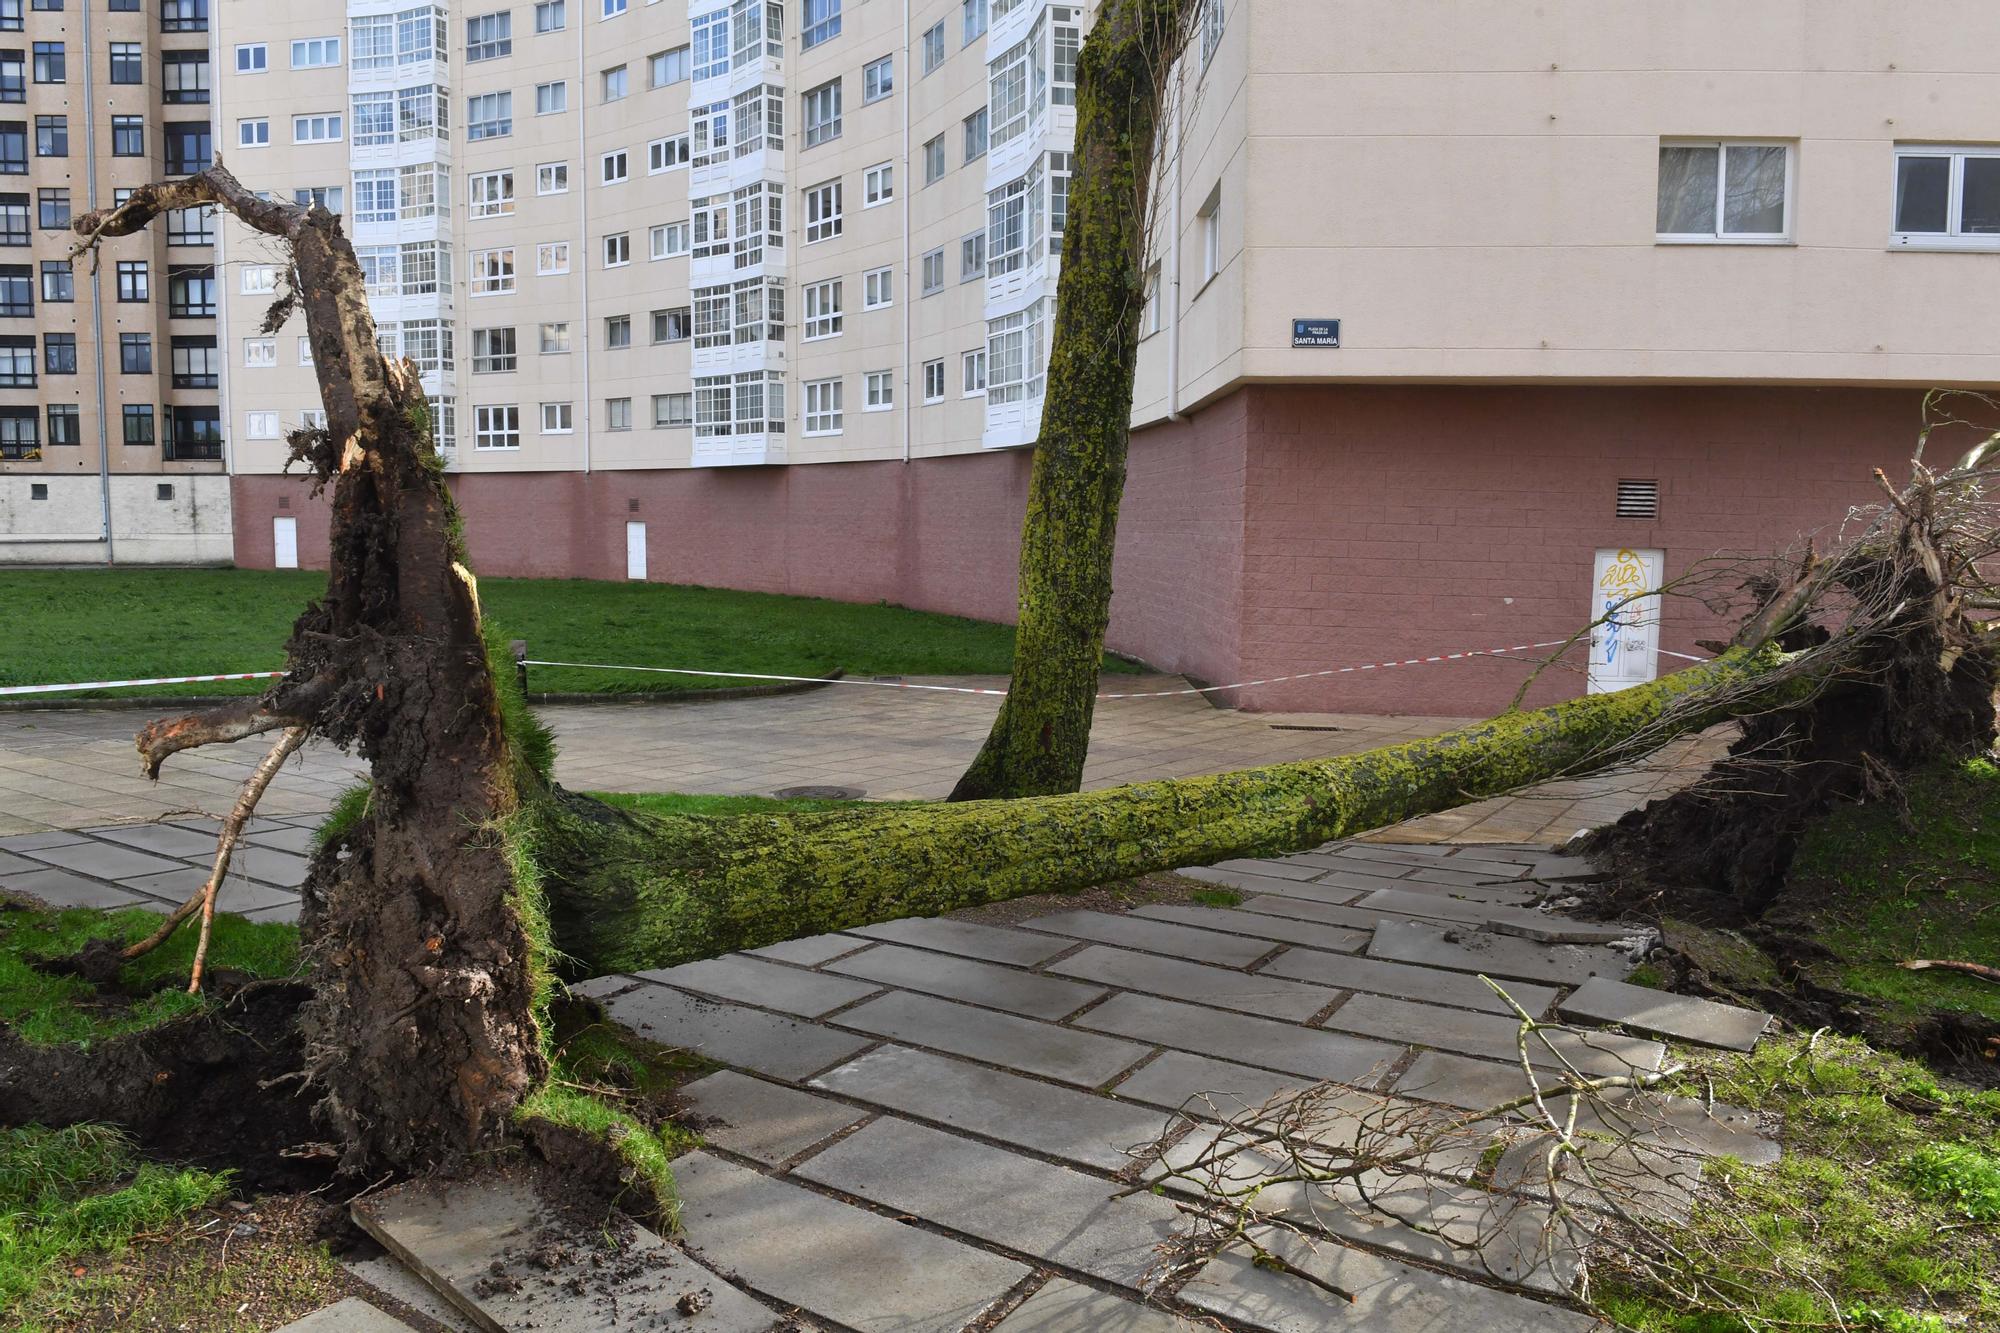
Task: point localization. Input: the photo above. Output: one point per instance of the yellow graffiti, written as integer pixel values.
(1625, 576)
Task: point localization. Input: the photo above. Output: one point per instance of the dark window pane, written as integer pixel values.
(1923, 193)
(1979, 197)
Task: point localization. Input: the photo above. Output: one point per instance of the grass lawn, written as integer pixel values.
(73, 625)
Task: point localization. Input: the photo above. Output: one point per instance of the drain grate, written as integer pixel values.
(819, 793)
(1301, 726)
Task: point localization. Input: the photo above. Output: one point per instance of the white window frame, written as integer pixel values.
(878, 79)
(615, 84)
(878, 288)
(305, 349)
(614, 167)
(259, 279)
(552, 178)
(319, 127)
(618, 414)
(1718, 236)
(820, 120)
(879, 391)
(551, 16)
(878, 185)
(1210, 219)
(496, 426)
(260, 353)
(972, 373)
(934, 381)
(253, 132)
(260, 425)
(932, 262)
(553, 338)
(668, 153)
(932, 45)
(823, 216)
(668, 240)
(326, 56)
(1953, 237)
(824, 314)
(823, 410)
(551, 259)
(618, 249)
(490, 194)
(552, 98)
(935, 164)
(253, 57)
(558, 418)
(492, 272)
(665, 417)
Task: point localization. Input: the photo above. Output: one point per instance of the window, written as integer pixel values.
(496, 427)
(975, 135)
(20, 437)
(52, 209)
(972, 25)
(58, 280)
(555, 338)
(881, 390)
(1947, 198)
(489, 36)
(253, 133)
(305, 350)
(1724, 192)
(668, 240)
(618, 414)
(1014, 365)
(550, 16)
(614, 167)
(823, 314)
(191, 291)
(489, 116)
(819, 22)
(196, 363)
(189, 147)
(182, 15)
(188, 226)
(614, 83)
(51, 136)
(492, 194)
(1149, 319)
(375, 195)
(138, 423)
(59, 353)
(672, 325)
(972, 256)
(666, 154)
(933, 46)
(711, 45)
(13, 77)
(618, 249)
(1007, 88)
(878, 79)
(493, 272)
(673, 409)
(252, 58)
(1211, 29)
(878, 289)
(551, 258)
(933, 271)
(552, 178)
(128, 62)
(558, 419)
(14, 228)
(17, 361)
(194, 432)
(183, 76)
(823, 415)
(374, 119)
(65, 424)
(133, 281)
(128, 138)
(552, 99)
(260, 279)
(493, 351)
(1210, 221)
(613, 8)
(261, 425)
(617, 332)
(668, 67)
(823, 219)
(822, 105)
(17, 291)
(316, 129)
(260, 353)
(934, 381)
(316, 53)
(51, 63)
(878, 185)
(934, 160)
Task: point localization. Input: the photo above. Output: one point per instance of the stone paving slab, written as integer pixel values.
(1404, 981)
(1275, 867)
(766, 1122)
(60, 888)
(1304, 934)
(1022, 1112)
(35, 842)
(1283, 888)
(995, 944)
(298, 840)
(1601, 1000)
(1206, 1087)
(12, 864)
(386, 1274)
(1492, 1036)
(1326, 914)
(1153, 936)
(1060, 1053)
(1466, 950)
(1056, 1215)
(811, 951)
(352, 1315)
(832, 1259)
(1631, 1177)
(237, 895)
(1439, 907)
(1283, 1047)
(986, 984)
(748, 980)
(1251, 993)
(732, 1035)
(273, 867)
(104, 861)
(1069, 1307)
(164, 839)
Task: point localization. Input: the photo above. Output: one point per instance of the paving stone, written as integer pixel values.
(1073, 1126)
(1334, 886)
(1060, 1053)
(36, 842)
(1378, 977)
(238, 894)
(1304, 934)
(1459, 1080)
(1466, 950)
(1493, 1036)
(1558, 869)
(1448, 877)
(1056, 1215)
(1628, 1177)
(59, 888)
(1251, 992)
(1705, 1022)
(1326, 914)
(103, 860)
(273, 867)
(995, 944)
(1255, 1041)
(300, 841)
(810, 951)
(1069, 1307)
(1389, 1297)
(1205, 1087)
(386, 1274)
(732, 1035)
(454, 1235)
(831, 1259)
(986, 984)
(1276, 869)
(763, 1121)
(165, 839)
(1441, 907)
(12, 864)
(352, 1315)
(286, 911)
(767, 985)
(1154, 936)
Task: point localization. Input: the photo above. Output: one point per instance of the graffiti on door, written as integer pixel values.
(1623, 580)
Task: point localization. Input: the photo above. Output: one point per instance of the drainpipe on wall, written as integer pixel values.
(582, 266)
(96, 292)
(909, 288)
(1172, 296)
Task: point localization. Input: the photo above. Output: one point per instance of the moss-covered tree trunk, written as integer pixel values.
(1042, 735)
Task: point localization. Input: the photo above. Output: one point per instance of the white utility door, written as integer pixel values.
(635, 551)
(1625, 649)
(285, 543)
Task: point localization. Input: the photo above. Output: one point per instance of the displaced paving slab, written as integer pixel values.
(1056, 1215)
(1704, 1022)
(831, 1259)
(1250, 992)
(352, 1315)
(1060, 1053)
(1444, 907)
(763, 1121)
(995, 944)
(508, 1261)
(1493, 1036)
(985, 984)
(749, 980)
(1404, 981)
(1069, 1307)
(1303, 934)
(1154, 937)
(729, 1034)
(1284, 1047)
(386, 1274)
(1022, 1112)
(1463, 949)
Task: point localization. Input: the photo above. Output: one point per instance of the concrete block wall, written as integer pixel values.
(187, 523)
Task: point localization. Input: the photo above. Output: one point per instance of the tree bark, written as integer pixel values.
(1042, 735)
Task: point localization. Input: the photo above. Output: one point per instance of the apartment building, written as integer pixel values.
(1459, 317)
(110, 435)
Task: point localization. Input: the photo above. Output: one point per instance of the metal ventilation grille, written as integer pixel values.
(1638, 499)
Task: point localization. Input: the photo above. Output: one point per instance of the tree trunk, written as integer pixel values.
(1039, 740)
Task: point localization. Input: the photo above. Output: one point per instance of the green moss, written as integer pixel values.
(691, 803)
(1217, 897)
(1647, 975)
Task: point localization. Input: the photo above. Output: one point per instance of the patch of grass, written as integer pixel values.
(1647, 975)
(49, 1009)
(91, 624)
(66, 1192)
(1217, 897)
(1865, 1217)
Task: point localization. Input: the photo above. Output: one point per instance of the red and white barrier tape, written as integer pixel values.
(124, 684)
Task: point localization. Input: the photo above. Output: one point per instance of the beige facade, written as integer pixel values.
(110, 442)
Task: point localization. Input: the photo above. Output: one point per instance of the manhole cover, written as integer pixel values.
(819, 793)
